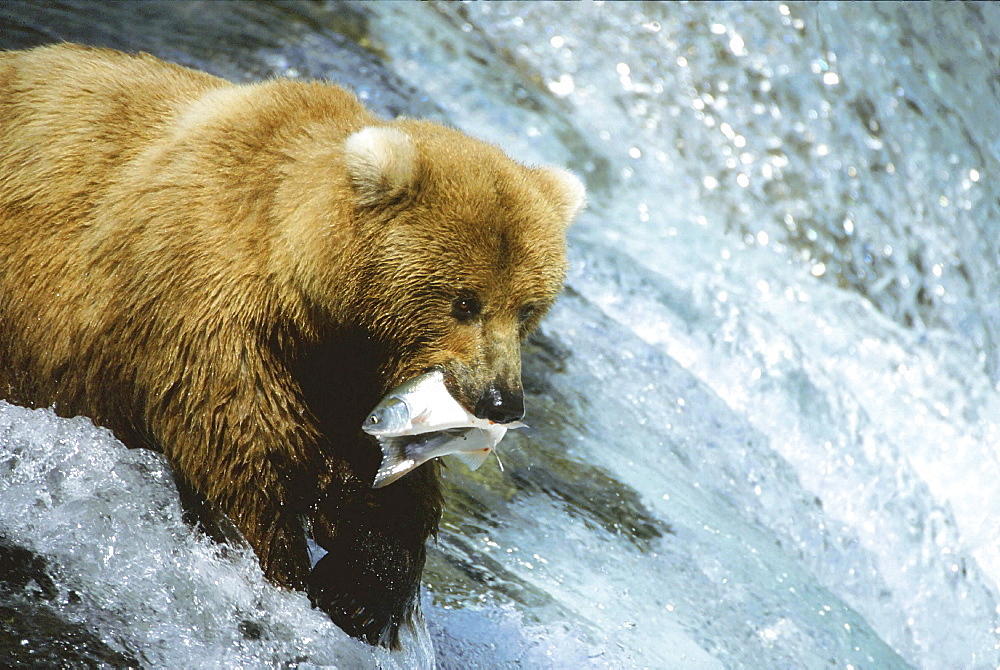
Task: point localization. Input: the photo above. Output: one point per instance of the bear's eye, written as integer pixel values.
(466, 307)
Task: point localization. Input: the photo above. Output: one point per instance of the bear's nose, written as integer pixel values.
(500, 405)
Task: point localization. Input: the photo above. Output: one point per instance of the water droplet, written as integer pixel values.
(736, 45)
(563, 86)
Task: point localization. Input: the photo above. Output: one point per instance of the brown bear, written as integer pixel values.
(235, 274)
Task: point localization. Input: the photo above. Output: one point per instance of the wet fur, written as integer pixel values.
(214, 271)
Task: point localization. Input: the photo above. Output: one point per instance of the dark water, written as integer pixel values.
(763, 414)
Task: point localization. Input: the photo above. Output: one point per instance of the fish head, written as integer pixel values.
(391, 416)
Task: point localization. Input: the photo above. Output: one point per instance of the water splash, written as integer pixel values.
(763, 415)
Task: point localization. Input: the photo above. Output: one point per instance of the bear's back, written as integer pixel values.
(72, 110)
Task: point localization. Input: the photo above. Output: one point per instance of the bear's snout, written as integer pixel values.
(500, 404)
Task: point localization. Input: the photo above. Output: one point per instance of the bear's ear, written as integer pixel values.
(382, 163)
(567, 190)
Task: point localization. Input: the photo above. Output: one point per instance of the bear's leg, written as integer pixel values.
(369, 581)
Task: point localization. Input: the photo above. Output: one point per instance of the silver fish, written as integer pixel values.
(419, 405)
(420, 420)
(400, 455)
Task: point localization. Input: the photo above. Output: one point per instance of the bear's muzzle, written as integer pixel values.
(500, 404)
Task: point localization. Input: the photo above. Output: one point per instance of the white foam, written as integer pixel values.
(108, 521)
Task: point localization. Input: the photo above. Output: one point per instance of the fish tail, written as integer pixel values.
(395, 462)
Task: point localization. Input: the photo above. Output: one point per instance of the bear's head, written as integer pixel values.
(454, 254)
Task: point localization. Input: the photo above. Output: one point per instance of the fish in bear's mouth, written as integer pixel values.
(420, 420)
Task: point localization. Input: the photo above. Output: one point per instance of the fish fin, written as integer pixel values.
(395, 462)
(513, 424)
(386, 476)
(473, 459)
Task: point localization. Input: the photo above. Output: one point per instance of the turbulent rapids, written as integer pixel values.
(763, 414)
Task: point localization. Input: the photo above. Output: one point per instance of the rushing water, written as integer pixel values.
(764, 413)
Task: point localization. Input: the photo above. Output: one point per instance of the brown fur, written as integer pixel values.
(216, 271)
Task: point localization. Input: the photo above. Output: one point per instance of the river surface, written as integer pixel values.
(765, 419)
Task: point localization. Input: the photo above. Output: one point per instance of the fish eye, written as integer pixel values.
(466, 307)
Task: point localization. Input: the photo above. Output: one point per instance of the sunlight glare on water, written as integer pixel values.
(788, 206)
(763, 414)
